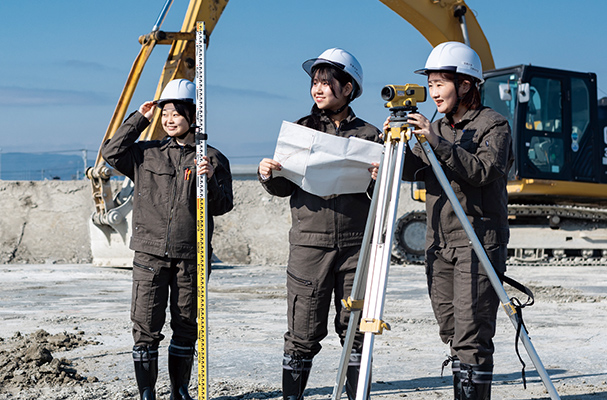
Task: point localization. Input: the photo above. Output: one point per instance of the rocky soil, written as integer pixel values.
(65, 334)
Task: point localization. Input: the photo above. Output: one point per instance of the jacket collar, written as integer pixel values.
(467, 117)
(324, 117)
(171, 142)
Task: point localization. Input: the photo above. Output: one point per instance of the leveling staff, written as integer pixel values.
(164, 230)
(327, 232)
(473, 145)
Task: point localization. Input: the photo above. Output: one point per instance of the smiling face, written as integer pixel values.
(327, 92)
(174, 124)
(442, 91)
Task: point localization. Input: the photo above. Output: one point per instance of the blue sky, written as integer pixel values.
(64, 62)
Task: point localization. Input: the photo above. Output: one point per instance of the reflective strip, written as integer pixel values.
(144, 354)
(180, 351)
(482, 376)
(296, 364)
(455, 366)
(355, 359)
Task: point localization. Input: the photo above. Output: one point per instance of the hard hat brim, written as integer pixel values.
(426, 71)
(162, 102)
(311, 63)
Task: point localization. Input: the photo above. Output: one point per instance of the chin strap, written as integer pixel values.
(334, 112)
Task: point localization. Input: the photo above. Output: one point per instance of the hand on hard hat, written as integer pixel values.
(147, 109)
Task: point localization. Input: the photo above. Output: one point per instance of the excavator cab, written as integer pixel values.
(556, 137)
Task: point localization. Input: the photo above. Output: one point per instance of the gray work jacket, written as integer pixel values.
(337, 220)
(165, 200)
(476, 155)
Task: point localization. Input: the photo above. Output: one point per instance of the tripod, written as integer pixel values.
(373, 265)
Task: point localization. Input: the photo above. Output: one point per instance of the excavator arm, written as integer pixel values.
(436, 20)
(180, 64)
(445, 20)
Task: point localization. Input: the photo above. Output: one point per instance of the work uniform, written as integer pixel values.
(325, 240)
(164, 226)
(476, 155)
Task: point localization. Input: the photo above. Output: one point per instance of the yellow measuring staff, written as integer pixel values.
(201, 218)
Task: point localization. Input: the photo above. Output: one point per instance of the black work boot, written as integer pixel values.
(475, 381)
(146, 371)
(181, 358)
(295, 373)
(352, 374)
(457, 385)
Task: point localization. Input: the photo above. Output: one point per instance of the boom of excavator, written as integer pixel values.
(557, 186)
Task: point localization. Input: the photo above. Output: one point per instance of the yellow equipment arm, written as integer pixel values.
(438, 21)
(180, 64)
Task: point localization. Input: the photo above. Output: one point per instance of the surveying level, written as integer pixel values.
(374, 261)
(203, 260)
(403, 95)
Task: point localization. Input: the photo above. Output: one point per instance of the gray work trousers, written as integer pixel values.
(156, 282)
(314, 274)
(464, 302)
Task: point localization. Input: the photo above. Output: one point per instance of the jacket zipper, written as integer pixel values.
(172, 201)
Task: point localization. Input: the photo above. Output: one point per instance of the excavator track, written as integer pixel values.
(556, 235)
(559, 235)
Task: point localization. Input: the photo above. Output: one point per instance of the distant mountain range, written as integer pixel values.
(43, 166)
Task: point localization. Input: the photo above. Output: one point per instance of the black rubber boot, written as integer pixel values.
(457, 384)
(295, 373)
(475, 381)
(181, 358)
(352, 374)
(146, 371)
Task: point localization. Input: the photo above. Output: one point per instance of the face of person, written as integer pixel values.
(324, 97)
(442, 91)
(174, 124)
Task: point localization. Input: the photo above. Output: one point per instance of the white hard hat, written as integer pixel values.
(341, 59)
(181, 90)
(454, 57)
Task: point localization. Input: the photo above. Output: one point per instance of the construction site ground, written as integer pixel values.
(65, 334)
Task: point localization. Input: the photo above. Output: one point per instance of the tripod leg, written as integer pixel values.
(379, 264)
(388, 178)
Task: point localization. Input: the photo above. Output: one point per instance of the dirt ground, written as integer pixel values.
(65, 334)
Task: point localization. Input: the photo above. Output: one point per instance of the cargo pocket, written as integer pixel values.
(301, 306)
(143, 294)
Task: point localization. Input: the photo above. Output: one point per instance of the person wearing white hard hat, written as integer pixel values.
(326, 234)
(473, 146)
(164, 230)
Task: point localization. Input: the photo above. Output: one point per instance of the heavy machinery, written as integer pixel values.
(556, 185)
(110, 223)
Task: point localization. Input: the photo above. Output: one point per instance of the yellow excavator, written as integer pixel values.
(557, 184)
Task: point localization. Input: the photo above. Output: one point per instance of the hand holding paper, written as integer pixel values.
(324, 164)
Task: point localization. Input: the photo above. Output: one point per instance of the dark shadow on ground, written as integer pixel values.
(433, 383)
